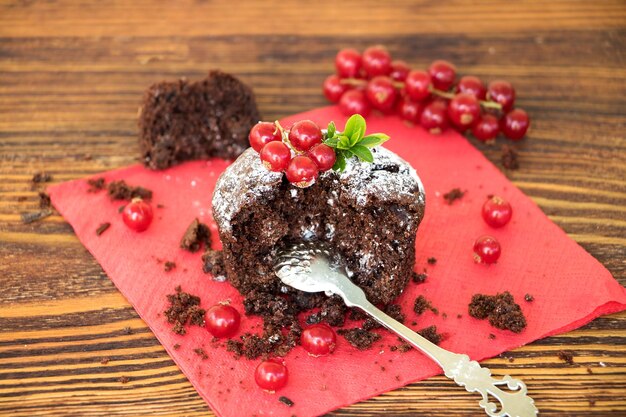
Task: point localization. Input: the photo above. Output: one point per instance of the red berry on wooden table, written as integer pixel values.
(443, 74)
(263, 133)
(515, 124)
(399, 70)
(417, 85)
(137, 215)
(323, 155)
(304, 135)
(376, 61)
(464, 110)
(271, 375)
(354, 102)
(318, 340)
(503, 93)
(222, 320)
(333, 88)
(472, 85)
(497, 211)
(434, 117)
(302, 171)
(487, 128)
(348, 63)
(381, 93)
(486, 250)
(275, 156)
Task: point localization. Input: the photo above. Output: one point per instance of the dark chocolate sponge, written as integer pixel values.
(369, 213)
(186, 120)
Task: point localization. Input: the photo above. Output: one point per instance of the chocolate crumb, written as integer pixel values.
(589, 370)
(592, 403)
(196, 234)
(444, 315)
(28, 218)
(421, 305)
(529, 298)
(566, 356)
(213, 263)
(453, 195)
(127, 330)
(41, 177)
(430, 334)
(200, 352)
(102, 228)
(119, 190)
(235, 346)
(510, 157)
(459, 316)
(286, 401)
(501, 310)
(492, 336)
(121, 208)
(432, 260)
(359, 338)
(44, 200)
(95, 184)
(124, 379)
(184, 309)
(104, 361)
(392, 310)
(160, 206)
(176, 346)
(418, 278)
(169, 265)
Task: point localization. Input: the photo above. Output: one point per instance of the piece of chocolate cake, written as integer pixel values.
(185, 120)
(369, 214)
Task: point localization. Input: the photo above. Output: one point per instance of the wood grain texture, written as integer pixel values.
(72, 75)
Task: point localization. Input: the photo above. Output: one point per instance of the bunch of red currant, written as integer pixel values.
(300, 154)
(429, 98)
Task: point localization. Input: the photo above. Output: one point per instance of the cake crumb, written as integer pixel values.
(432, 260)
(418, 278)
(453, 195)
(509, 157)
(124, 379)
(127, 330)
(184, 309)
(359, 338)
(589, 371)
(44, 200)
(286, 401)
(169, 265)
(104, 361)
(430, 333)
(119, 190)
(200, 352)
(501, 310)
(196, 234)
(529, 298)
(41, 176)
(566, 356)
(96, 184)
(176, 346)
(492, 336)
(592, 403)
(421, 304)
(102, 228)
(213, 263)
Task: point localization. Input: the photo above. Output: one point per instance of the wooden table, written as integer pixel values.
(71, 78)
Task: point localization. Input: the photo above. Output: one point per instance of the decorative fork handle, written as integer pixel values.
(459, 367)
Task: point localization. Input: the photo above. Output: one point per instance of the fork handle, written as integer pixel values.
(467, 373)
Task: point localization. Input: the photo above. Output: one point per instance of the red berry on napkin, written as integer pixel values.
(222, 320)
(137, 215)
(271, 375)
(318, 340)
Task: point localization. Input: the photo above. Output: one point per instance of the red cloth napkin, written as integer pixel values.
(569, 286)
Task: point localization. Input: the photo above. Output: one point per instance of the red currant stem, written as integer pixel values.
(399, 85)
(285, 137)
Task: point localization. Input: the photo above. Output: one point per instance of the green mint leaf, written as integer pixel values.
(355, 126)
(344, 142)
(330, 132)
(373, 140)
(332, 142)
(362, 153)
(340, 162)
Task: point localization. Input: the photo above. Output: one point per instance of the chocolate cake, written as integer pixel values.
(369, 213)
(185, 120)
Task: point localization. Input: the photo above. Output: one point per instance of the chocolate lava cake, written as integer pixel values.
(369, 213)
(185, 120)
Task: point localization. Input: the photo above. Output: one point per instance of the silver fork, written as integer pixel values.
(306, 267)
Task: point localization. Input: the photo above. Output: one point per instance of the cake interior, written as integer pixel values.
(375, 241)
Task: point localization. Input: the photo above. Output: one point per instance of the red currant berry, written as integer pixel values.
(399, 70)
(302, 171)
(222, 320)
(354, 102)
(497, 212)
(263, 133)
(334, 89)
(487, 128)
(376, 61)
(323, 156)
(137, 215)
(503, 93)
(434, 117)
(515, 124)
(472, 85)
(348, 63)
(486, 250)
(304, 134)
(464, 110)
(410, 110)
(318, 340)
(271, 375)
(381, 93)
(275, 156)
(442, 74)
(417, 85)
